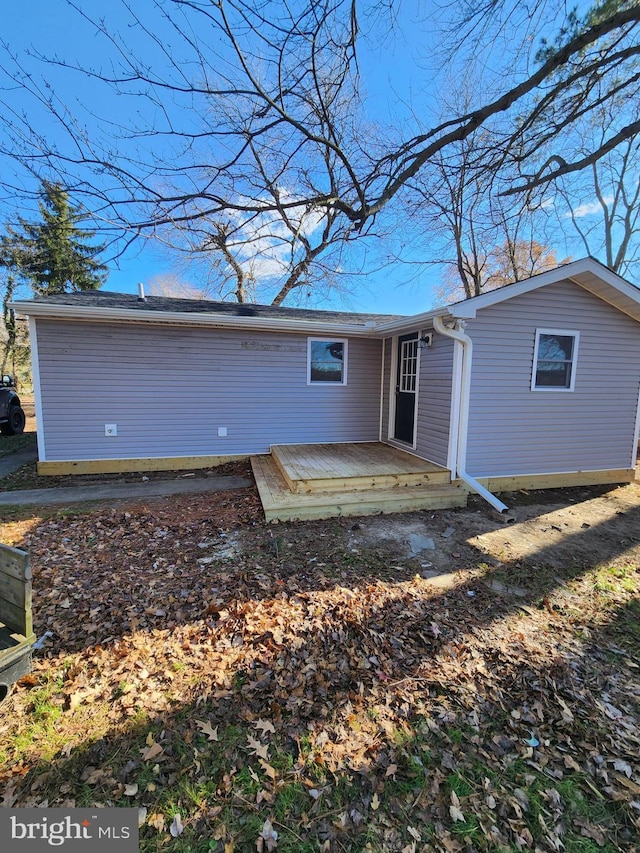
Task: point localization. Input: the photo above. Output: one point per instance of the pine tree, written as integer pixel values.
(53, 255)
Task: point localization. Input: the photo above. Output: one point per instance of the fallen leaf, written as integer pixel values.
(259, 749)
(269, 835)
(271, 772)
(456, 814)
(454, 808)
(623, 767)
(207, 729)
(176, 829)
(151, 752)
(157, 821)
(265, 726)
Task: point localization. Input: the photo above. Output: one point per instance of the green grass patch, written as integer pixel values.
(10, 444)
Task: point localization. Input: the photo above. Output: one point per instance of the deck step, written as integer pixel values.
(281, 504)
(313, 468)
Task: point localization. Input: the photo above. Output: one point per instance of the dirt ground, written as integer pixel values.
(581, 526)
(578, 525)
(433, 680)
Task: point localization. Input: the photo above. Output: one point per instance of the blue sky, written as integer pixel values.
(51, 27)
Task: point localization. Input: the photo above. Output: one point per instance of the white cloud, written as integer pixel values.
(264, 242)
(589, 208)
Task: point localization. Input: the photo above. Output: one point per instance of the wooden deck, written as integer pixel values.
(309, 481)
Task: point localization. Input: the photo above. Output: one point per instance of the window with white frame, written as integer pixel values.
(327, 361)
(554, 360)
(408, 365)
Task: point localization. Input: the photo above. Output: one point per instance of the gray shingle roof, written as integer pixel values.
(128, 301)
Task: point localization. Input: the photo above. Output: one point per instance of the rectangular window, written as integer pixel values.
(326, 361)
(554, 360)
(408, 365)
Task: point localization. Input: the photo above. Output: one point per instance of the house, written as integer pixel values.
(534, 385)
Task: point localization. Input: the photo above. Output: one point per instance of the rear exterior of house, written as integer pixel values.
(536, 384)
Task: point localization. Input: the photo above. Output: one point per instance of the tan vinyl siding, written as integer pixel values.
(169, 389)
(514, 430)
(434, 400)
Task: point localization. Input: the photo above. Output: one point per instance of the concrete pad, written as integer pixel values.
(122, 491)
(13, 461)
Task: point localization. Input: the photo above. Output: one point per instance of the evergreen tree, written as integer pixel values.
(53, 255)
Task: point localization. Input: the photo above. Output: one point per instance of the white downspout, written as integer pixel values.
(460, 424)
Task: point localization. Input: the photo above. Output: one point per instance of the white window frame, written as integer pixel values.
(328, 340)
(574, 359)
(412, 344)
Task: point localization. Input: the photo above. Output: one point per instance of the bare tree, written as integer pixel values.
(266, 257)
(486, 239)
(254, 110)
(173, 286)
(602, 205)
(508, 262)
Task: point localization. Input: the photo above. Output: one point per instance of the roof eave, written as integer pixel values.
(573, 271)
(175, 318)
(459, 311)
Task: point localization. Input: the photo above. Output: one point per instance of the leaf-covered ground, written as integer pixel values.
(312, 687)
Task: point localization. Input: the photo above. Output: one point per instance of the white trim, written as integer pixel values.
(37, 390)
(574, 271)
(328, 339)
(178, 318)
(384, 345)
(454, 410)
(392, 388)
(574, 360)
(636, 439)
(416, 402)
(567, 271)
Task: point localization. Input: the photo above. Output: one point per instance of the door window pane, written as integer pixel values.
(408, 365)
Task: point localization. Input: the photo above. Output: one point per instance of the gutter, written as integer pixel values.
(460, 420)
(176, 318)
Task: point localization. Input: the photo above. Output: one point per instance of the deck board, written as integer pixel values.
(281, 504)
(365, 465)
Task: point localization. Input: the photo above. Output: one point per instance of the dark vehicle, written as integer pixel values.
(12, 419)
(16, 622)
